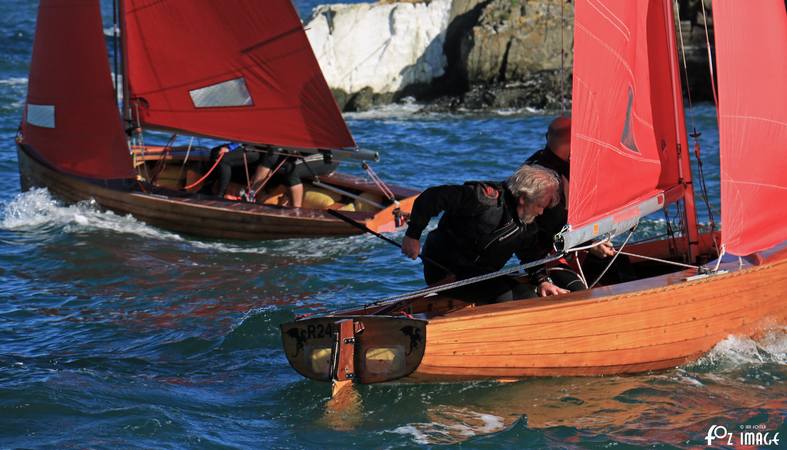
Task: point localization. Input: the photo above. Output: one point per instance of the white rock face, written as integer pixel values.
(382, 46)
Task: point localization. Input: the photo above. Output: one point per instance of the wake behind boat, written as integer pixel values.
(234, 72)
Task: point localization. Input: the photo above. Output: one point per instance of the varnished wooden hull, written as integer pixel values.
(651, 324)
(211, 218)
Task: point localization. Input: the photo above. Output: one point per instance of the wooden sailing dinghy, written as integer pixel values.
(627, 120)
(234, 71)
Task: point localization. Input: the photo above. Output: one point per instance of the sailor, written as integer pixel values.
(555, 155)
(235, 156)
(287, 171)
(483, 225)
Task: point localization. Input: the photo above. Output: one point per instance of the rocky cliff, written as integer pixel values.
(471, 54)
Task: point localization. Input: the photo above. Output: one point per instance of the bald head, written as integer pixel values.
(559, 137)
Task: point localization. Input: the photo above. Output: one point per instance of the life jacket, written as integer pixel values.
(484, 241)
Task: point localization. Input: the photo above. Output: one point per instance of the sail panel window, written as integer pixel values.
(41, 115)
(227, 93)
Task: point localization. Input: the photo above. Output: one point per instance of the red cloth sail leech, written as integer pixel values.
(751, 56)
(623, 137)
(175, 47)
(70, 72)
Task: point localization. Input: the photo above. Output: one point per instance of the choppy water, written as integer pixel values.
(117, 334)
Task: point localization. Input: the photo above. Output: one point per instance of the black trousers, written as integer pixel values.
(233, 162)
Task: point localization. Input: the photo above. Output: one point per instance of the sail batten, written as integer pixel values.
(240, 70)
(751, 57)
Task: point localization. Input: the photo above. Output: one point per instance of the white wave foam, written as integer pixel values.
(736, 351)
(14, 81)
(36, 211)
(406, 109)
(460, 424)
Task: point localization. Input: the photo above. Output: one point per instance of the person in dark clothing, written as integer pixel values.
(483, 225)
(289, 172)
(284, 170)
(233, 159)
(555, 155)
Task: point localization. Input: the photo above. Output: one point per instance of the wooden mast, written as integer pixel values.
(684, 163)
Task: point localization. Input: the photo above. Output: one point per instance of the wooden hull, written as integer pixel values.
(651, 324)
(211, 218)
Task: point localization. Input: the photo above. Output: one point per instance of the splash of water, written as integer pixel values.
(736, 351)
(37, 212)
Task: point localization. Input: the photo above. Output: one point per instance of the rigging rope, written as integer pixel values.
(710, 58)
(215, 164)
(186, 159)
(465, 282)
(253, 193)
(562, 61)
(380, 183)
(696, 134)
(612, 260)
(115, 46)
(161, 164)
(664, 261)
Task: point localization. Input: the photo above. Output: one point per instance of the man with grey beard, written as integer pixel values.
(483, 225)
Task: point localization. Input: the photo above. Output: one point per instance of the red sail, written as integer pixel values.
(71, 117)
(751, 52)
(625, 118)
(241, 70)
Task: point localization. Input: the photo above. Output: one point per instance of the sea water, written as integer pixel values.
(114, 333)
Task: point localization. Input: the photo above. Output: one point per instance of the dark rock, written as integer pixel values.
(366, 99)
(518, 53)
(341, 98)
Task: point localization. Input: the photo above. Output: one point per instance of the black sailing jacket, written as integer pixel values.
(479, 231)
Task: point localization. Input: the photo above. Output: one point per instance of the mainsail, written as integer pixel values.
(627, 117)
(71, 117)
(751, 52)
(240, 70)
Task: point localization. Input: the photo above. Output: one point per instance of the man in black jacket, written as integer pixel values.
(483, 225)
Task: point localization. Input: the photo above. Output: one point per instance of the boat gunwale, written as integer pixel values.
(547, 303)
